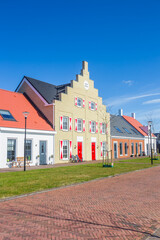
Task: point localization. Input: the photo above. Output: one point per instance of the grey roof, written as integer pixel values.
(122, 124)
(48, 91)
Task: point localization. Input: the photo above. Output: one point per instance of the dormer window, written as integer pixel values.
(6, 115)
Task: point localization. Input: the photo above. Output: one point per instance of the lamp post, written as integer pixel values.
(150, 136)
(25, 114)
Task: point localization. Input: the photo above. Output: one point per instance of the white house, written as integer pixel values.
(40, 133)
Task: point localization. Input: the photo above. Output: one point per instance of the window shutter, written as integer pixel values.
(70, 148)
(76, 101)
(83, 103)
(106, 128)
(83, 125)
(101, 150)
(70, 124)
(90, 126)
(61, 123)
(75, 124)
(96, 127)
(100, 127)
(96, 106)
(61, 149)
(89, 105)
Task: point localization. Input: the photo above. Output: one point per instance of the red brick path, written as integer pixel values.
(122, 207)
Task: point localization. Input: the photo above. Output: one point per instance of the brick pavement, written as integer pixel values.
(121, 207)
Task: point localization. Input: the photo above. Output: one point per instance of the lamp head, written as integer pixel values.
(25, 114)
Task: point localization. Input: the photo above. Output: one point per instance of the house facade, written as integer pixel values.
(76, 113)
(126, 141)
(148, 141)
(39, 137)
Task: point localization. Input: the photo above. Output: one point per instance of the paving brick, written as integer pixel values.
(122, 207)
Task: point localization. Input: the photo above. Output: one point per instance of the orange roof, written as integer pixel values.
(136, 125)
(16, 104)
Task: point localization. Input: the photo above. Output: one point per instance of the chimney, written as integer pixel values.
(120, 112)
(133, 115)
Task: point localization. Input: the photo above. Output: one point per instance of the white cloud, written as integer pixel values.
(122, 100)
(128, 82)
(152, 101)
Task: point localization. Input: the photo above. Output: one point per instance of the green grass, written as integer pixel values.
(141, 160)
(17, 183)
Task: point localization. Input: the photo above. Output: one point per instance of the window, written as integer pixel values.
(11, 150)
(118, 129)
(79, 125)
(6, 115)
(103, 148)
(132, 148)
(126, 149)
(93, 105)
(121, 149)
(140, 148)
(65, 123)
(29, 149)
(134, 131)
(103, 128)
(79, 102)
(93, 126)
(127, 130)
(136, 148)
(65, 149)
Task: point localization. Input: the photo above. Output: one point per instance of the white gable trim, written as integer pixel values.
(30, 131)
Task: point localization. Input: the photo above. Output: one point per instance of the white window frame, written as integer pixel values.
(125, 147)
(103, 128)
(93, 122)
(65, 141)
(93, 109)
(81, 101)
(15, 148)
(64, 117)
(31, 147)
(79, 123)
(132, 144)
(121, 154)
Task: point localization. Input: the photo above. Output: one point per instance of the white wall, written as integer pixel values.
(35, 136)
(153, 144)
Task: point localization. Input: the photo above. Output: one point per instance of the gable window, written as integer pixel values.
(79, 125)
(6, 115)
(11, 150)
(121, 149)
(29, 149)
(103, 128)
(126, 149)
(93, 127)
(79, 102)
(65, 149)
(65, 123)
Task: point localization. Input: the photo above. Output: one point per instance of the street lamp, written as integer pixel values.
(25, 114)
(150, 136)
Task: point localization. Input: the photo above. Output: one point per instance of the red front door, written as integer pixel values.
(93, 151)
(79, 150)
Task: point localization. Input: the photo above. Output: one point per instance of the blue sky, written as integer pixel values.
(48, 40)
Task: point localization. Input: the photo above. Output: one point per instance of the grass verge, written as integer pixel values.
(17, 183)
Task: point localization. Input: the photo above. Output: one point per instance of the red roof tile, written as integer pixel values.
(136, 125)
(16, 104)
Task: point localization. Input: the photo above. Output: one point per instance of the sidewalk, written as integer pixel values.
(61, 165)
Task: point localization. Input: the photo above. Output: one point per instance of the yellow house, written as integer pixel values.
(76, 113)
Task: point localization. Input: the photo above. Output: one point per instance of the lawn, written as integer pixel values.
(17, 183)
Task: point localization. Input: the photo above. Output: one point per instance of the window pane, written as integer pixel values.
(93, 126)
(121, 150)
(126, 152)
(11, 149)
(29, 148)
(103, 128)
(79, 102)
(79, 125)
(65, 149)
(65, 123)
(92, 105)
